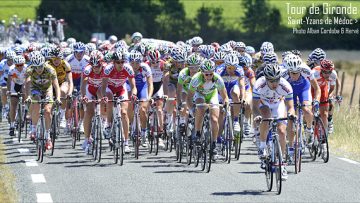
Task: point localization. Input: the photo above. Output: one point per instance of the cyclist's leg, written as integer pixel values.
(169, 108)
(109, 107)
(143, 107)
(13, 103)
(159, 108)
(324, 104)
(199, 113)
(221, 121)
(214, 116)
(265, 112)
(279, 110)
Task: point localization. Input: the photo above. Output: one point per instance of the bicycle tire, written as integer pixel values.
(25, 123)
(137, 135)
(53, 133)
(100, 132)
(19, 120)
(157, 135)
(209, 153)
(229, 139)
(75, 122)
(322, 140)
(269, 175)
(120, 142)
(241, 136)
(297, 144)
(277, 163)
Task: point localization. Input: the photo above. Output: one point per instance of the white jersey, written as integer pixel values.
(157, 72)
(77, 66)
(268, 96)
(17, 77)
(305, 71)
(317, 75)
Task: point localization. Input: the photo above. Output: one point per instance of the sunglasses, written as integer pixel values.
(38, 67)
(194, 67)
(18, 65)
(274, 81)
(294, 73)
(98, 66)
(79, 52)
(230, 67)
(326, 72)
(208, 74)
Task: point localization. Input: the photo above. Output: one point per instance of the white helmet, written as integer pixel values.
(136, 35)
(293, 63)
(219, 56)
(71, 40)
(272, 71)
(113, 39)
(231, 60)
(37, 59)
(10, 54)
(270, 57)
(266, 47)
(196, 41)
(19, 60)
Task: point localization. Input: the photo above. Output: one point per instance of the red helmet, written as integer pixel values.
(327, 65)
(153, 55)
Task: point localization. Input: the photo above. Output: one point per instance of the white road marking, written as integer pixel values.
(43, 197)
(31, 162)
(23, 151)
(350, 161)
(38, 178)
(15, 140)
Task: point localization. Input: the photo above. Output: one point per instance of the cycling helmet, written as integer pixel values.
(327, 65)
(293, 63)
(196, 41)
(66, 52)
(153, 56)
(37, 59)
(272, 71)
(71, 40)
(232, 43)
(19, 60)
(18, 50)
(226, 48)
(55, 52)
(216, 46)
(63, 45)
(194, 59)
(239, 45)
(10, 55)
(208, 51)
(266, 47)
(135, 57)
(79, 47)
(270, 57)
(179, 55)
(46, 52)
(90, 47)
(219, 56)
(108, 56)
(250, 50)
(180, 43)
(136, 35)
(96, 57)
(117, 56)
(113, 39)
(296, 52)
(207, 65)
(317, 55)
(163, 49)
(244, 61)
(285, 54)
(231, 60)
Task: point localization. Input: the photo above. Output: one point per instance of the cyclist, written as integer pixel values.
(15, 82)
(272, 97)
(203, 88)
(249, 84)
(301, 79)
(145, 88)
(193, 65)
(40, 79)
(234, 80)
(113, 84)
(326, 78)
(91, 79)
(4, 71)
(64, 75)
(78, 60)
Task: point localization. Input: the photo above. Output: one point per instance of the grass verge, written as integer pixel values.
(7, 179)
(345, 141)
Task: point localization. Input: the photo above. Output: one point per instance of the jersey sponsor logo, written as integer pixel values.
(108, 69)
(287, 90)
(87, 71)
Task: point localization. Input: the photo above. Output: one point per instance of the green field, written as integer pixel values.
(23, 9)
(233, 9)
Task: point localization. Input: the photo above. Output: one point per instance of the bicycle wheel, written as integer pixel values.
(188, 147)
(208, 153)
(95, 139)
(157, 133)
(297, 145)
(19, 116)
(75, 125)
(323, 145)
(277, 164)
(53, 133)
(99, 137)
(240, 136)
(229, 139)
(25, 122)
(41, 142)
(268, 174)
(120, 142)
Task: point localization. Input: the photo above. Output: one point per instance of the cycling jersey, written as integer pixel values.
(77, 66)
(173, 72)
(157, 71)
(324, 84)
(268, 96)
(4, 67)
(184, 79)
(140, 80)
(17, 78)
(118, 78)
(61, 70)
(206, 90)
(231, 81)
(249, 74)
(94, 80)
(41, 82)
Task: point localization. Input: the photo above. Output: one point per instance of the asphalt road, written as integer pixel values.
(71, 176)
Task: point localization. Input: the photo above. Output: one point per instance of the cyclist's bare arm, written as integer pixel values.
(132, 86)
(56, 86)
(166, 79)
(338, 85)
(256, 107)
(331, 91)
(242, 88)
(290, 106)
(316, 87)
(189, 99)
(224, 95)
(27, 87)
(179, 89)
(70, 81)
(8, 83)
(83, 85)
(104, 84)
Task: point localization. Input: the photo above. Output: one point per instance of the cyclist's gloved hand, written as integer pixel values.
(85, 99)
(133, 97)
(339, 98)
(316, 105)
(8, 92)
(257, 119)
(58, 102)
(292, 117)
(28, 99)
(104, 100)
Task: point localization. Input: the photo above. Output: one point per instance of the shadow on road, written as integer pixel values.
(245, 192)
